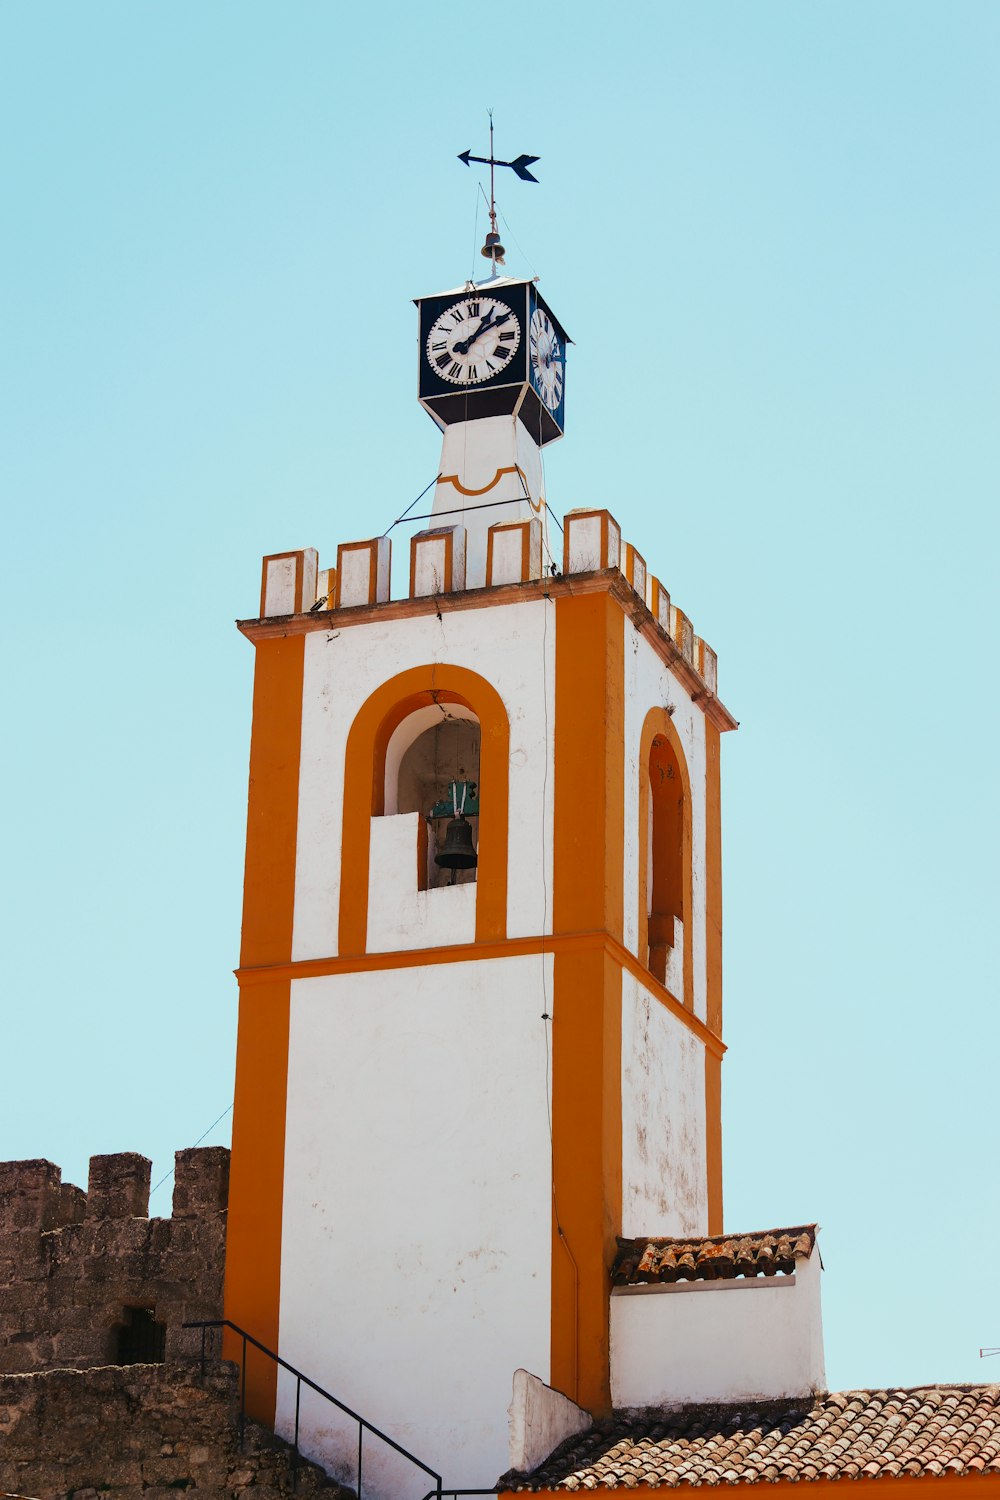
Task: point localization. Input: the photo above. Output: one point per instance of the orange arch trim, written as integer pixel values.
(364, 791)
(453, 479)
(462, 490)
(659, 725)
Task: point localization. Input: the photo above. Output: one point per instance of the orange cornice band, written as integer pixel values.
(610, 581)
(460, 953)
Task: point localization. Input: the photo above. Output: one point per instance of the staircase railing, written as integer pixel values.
(364, 1426)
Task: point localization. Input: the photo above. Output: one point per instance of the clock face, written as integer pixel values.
(546, 359)
(473, 340)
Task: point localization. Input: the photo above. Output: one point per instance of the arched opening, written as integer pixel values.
(373, 759)
(665, 864)
(437, 776)
(665, 857)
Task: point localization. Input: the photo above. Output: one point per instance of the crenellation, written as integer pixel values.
(437, 561)
(363, 572)
(293, 583)
(68, 1285)
(707, 663)
(72, 1206)
(682, 633)
(659, 604)
(201, 1182)
(513, 552)
(118, 1186)
(29, 1194)
(326, 590)
(634, 568)
(288, 582)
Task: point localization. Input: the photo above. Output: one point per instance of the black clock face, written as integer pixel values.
(473, 340)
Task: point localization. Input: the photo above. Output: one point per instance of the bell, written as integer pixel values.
(457, 853)
(493, 250)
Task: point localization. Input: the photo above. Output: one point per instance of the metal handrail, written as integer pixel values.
(440, 1494)
(300, 1380)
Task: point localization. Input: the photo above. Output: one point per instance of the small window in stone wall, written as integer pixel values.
(141, 1339)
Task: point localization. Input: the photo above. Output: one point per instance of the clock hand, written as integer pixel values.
(486, 325)
(466, 344)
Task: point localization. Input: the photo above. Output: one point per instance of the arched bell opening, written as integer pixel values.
(386, 725)
(665, 862)
(438, 778)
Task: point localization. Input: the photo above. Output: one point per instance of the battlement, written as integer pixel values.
(292, 583)
(89, 1279)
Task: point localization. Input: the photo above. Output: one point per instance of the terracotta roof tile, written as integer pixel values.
(933, 1430)
(767, 1253)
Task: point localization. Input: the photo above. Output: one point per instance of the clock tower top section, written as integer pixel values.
(493, 349)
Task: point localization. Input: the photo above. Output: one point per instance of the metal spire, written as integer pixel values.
(493, 250)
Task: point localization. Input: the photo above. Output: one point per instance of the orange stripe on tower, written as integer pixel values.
(253, 1247)
(713, 934)
(586, 1027)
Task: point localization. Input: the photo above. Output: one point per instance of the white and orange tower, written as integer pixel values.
(457, 1084)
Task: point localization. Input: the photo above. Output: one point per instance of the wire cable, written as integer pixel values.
(198, 1142)
(517, 242)
(412, 503)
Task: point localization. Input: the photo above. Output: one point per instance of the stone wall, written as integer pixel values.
(143, 1432)
(75, 1266)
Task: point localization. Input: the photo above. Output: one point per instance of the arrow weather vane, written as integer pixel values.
(493, 250)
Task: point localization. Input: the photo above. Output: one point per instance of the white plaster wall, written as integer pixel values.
(475, 453)
(540, 1419)
(584, 543)
(430, 561)
(429, 566)
(650, 684)
(664, 1167)
(279, 595)
(508, 557)
(416, 1238)
(513, 647)
(401, 916)
(355, 575)
(673, 979)
(735, 1340)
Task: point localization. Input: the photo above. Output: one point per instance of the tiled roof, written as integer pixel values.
(951, 1429)
(765, 1253)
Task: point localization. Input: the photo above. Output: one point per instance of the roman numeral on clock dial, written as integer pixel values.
(473, 340)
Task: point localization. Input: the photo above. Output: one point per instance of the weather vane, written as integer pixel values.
(493, 250)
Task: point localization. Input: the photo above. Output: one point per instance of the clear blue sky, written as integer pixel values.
(773, 231)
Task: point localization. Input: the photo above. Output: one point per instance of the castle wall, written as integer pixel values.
(72, 1263)
(138, 1433)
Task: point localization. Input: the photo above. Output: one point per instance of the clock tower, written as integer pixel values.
(492, 375)
(480, 974)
